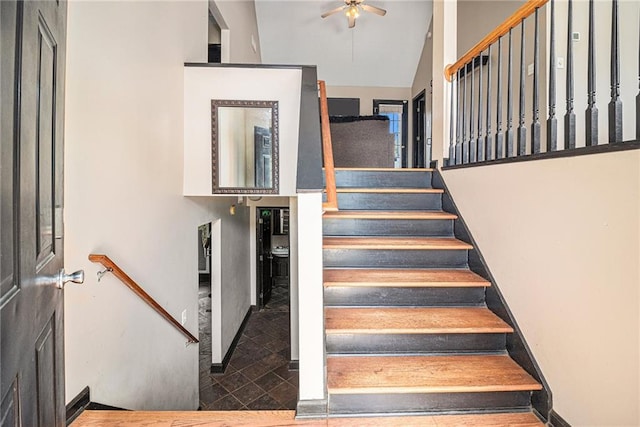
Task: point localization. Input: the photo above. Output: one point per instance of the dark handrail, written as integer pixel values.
(131, 284)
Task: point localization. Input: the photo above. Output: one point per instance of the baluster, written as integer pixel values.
(592, 110)
(535, 125)
(552, 122)
(465, 143)
(522, 130)
(452, 150)
(472, 139)
(499, 136)
(570, 115)
(487, 140)
(480, 141)
(615, 106)
(510, 134)
(458, 122)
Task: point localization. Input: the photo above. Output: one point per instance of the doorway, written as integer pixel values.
(396, 111)
(272, 257)
(259, 374)
(422, 130)
(419, 145)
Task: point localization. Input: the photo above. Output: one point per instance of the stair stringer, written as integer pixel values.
(517, 346)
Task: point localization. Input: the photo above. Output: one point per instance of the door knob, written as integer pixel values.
(75, 277)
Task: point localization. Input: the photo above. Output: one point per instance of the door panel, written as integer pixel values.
(419, 115)
(264, 259)
(31, 307)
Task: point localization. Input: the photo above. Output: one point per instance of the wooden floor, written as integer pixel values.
(287, 418)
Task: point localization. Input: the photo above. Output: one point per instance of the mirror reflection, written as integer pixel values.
(245, 139)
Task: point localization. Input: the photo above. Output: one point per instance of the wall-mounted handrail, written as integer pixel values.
(131, 284)
(327, 150)
(523, 12)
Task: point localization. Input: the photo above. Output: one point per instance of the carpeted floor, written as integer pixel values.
(258, 375)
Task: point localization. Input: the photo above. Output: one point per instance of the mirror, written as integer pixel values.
(244, 145)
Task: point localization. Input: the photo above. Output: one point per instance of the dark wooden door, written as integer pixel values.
(265, 264)
(263, 152)
(32, 41)
(419, 130)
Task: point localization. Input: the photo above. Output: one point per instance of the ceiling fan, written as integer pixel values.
(352, 10)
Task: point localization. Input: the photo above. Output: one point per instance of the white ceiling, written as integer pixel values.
(379, 51)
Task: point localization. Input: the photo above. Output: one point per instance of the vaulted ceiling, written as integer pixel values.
(379, 51)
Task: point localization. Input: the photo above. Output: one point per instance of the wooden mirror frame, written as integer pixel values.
(215, 147)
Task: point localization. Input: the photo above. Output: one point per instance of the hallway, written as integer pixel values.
(258, 375)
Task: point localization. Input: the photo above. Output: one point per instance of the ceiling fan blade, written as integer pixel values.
(373, 9)
(331, 12)
(352, 21)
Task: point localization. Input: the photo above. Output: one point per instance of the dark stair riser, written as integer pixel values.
(383, 227)
(429, 402)
(381, 179)
(390, 201)
(415, 343)
(398, 258)
(399, 296)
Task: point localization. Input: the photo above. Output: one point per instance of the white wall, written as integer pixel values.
(562, 239)
(240, 32)
(123, 197)
(424, 72)
(202, 84)
(444, 34)
(308, 211)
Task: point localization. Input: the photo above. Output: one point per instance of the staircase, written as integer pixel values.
(407, 325)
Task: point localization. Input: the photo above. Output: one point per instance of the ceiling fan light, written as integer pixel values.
(352, 11)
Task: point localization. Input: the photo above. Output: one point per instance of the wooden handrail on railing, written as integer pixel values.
(327, 149)
(131, 284)
(522, 13)
(498, 115)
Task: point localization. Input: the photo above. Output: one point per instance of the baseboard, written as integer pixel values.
(95, 406)
(78, 404)
(219, 368)
(294, 365)
(314, 408)
(556, 420)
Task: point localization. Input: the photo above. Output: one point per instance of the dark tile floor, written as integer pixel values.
(258, 375)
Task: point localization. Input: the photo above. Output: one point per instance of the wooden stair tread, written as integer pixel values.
(512, 419)
(394, 243)
(390, 190)
(385, 169)
(410, 320)
(287, 418)
(390, 215)
(382, 277)
(426, 374)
